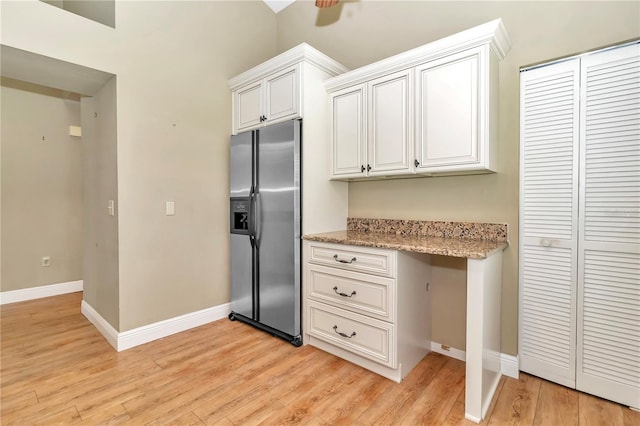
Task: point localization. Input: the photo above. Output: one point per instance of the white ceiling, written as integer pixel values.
(278, 5)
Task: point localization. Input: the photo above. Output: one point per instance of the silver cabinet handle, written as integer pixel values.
(335, 257)
(335, 328)
(546, 243)
(353, 293)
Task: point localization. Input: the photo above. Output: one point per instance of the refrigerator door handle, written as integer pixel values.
(252, 216)
(257, 219)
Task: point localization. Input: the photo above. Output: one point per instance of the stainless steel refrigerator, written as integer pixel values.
(265, 229)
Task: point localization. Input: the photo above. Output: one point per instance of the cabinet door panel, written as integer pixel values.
(248, 106)
(389, 135)
(347, 114)
(548, 221)
(448, 112)
(281, 97)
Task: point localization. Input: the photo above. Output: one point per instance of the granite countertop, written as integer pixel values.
(457, 239)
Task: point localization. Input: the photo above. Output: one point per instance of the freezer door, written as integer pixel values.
(241, 251)
(242, 275)
(241, 164)
(278, 226)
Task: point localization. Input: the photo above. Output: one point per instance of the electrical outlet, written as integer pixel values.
(46, 261)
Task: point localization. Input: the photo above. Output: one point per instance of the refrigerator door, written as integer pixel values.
(241, 252)
(278, 226)
(241, 164)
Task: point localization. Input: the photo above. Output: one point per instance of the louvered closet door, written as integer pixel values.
(609, 256)
(548, 220)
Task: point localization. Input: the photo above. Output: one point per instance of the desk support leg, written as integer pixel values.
(484, 298)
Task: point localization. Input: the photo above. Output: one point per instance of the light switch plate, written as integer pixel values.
(170, 208)
(75, 131)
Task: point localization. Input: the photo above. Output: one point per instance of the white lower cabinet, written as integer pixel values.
(369, 306)
(359, 334)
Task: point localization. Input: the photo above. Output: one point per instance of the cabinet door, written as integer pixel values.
(609, 255)
(247, 106)
(281, 95)
(549, 115)
(389, 134)
(447, 117)
(348, 133)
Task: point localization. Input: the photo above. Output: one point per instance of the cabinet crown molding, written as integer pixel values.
(492, 34)
(300, 53)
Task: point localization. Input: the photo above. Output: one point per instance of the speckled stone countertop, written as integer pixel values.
(457, 239)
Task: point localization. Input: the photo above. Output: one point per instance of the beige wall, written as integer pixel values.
(172, 61)
(366, 31)
(41, 190)
(100, 168)
(174, 146)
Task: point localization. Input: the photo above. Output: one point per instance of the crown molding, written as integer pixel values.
(491, 33)
(300, 53)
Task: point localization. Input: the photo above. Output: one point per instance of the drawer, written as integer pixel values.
(365, 294)
(354, 258)
(364, 336)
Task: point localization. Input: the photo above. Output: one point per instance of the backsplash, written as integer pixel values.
(467, 230)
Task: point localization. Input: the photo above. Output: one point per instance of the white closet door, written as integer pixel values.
(548, 220)
(609, 254)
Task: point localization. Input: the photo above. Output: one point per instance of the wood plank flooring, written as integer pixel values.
(57, 369)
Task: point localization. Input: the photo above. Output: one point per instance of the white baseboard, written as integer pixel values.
(451, 352)
(106, 329)
(509, 364)
(147, 333)
(32, 293)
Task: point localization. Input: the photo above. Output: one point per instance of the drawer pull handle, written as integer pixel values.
(335, 328)
(353, 293)
(335, 257)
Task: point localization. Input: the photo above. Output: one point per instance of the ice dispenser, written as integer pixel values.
(240, 215)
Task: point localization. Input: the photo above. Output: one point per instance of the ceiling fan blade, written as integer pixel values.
(326, 3)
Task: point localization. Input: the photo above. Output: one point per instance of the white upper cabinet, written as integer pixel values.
(247, 106)
(430, 110)
(273, 91)
(348, 132)
(281, 95)
(371, 133)
(452, 111)
(266, 101)
(389, 132)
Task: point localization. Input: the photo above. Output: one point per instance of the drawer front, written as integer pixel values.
(365, 294)
(353, 258)
(367, 337)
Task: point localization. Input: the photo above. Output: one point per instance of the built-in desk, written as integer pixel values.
(482, 246)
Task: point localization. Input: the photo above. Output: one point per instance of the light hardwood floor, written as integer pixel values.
(57, 369)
